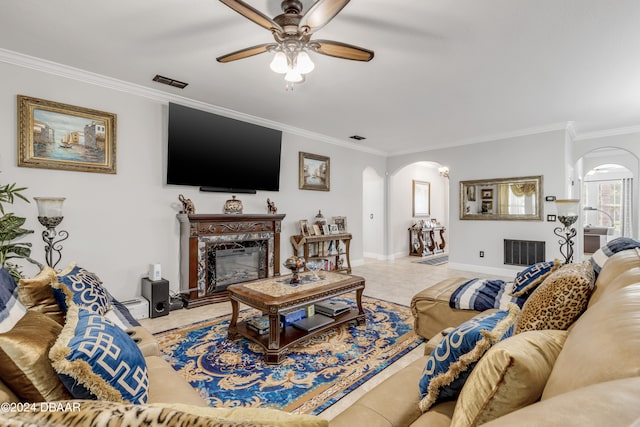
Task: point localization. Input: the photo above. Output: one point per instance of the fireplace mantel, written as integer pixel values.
(198, 230)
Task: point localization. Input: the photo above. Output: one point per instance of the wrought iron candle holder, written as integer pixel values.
(50, 216)
(567, 215)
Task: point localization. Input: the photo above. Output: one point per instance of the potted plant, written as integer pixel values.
(11, 230)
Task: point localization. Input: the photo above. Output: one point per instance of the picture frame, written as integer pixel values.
(471, 193)
(487, 193)
(316, 230)
(325, 229)
(314, 172)
(53, 135)
(333, 229)
(487, 207)
(421, 191)
(304, 227)
(341, 222)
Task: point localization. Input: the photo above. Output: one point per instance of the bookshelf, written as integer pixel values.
(330, 250)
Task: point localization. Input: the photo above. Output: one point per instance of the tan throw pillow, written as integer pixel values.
(559, 300)
(510, 376)
(36, 294)
(24, 359)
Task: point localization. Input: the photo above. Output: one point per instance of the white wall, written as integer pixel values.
(118, 224)
(540, 154)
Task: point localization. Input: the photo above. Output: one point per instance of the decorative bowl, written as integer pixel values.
(295, 264)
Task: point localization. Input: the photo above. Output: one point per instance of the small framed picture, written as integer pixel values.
(304, 227)
(313, 172)
(341, 222)
(487, 207)
(317, 230)
(333, 229)
(325, 229)
(487, 193)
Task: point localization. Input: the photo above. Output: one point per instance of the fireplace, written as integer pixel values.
(217, 250)
(235, 262)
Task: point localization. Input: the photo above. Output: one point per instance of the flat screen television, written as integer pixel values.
(221, 154)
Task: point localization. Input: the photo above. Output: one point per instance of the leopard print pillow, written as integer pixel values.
(559, 300)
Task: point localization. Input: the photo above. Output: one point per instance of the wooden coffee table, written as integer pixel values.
(276, 295)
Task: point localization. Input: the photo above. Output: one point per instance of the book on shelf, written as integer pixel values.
(259, 324)
(314, 322)
(287, 319)
(331, 308)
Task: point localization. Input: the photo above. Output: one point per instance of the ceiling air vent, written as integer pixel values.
(357, 137)
(169, 81)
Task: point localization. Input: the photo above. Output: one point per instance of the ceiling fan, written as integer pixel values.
(292, 32)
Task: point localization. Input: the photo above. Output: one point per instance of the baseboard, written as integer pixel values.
(372, 255)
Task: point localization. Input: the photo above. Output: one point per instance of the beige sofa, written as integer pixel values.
(165, 384)
(595, 379)
(171, 399)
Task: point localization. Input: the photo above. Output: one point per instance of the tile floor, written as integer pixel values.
(397, 281)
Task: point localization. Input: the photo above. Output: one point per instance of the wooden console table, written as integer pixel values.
(422, 240)
(330, 247)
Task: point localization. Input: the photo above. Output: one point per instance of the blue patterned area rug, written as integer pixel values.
(313, 376)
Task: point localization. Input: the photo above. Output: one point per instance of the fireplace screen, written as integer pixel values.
(235, 262)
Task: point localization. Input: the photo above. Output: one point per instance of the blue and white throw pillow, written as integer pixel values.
(77, 285)
(451, 362)
(95, 359)
(529, 278)
(600, 257)
(11, 309)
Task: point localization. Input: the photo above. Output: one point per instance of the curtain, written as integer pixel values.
(525, 189)
(626, 220)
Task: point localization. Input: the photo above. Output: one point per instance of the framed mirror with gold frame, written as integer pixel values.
(502, 199)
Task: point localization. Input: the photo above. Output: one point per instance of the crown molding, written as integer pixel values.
(608, 132)
(72, 73)
(495, 137)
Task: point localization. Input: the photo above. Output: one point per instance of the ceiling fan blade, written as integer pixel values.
(321, 13)
(245, 53)
(252, 14)
(342, 50)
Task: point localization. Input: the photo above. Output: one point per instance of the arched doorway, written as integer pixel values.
(609, 196)
(400, 202)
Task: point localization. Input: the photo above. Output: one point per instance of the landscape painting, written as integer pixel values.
(313, 172)
(60, 136)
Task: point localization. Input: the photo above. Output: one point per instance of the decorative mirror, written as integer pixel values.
(421, 199)
(502, 199)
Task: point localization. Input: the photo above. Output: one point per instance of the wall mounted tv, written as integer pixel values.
(221, 154)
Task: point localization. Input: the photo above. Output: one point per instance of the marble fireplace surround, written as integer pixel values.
(198, 232)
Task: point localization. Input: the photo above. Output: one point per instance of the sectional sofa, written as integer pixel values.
(70, 354)
(587, 375)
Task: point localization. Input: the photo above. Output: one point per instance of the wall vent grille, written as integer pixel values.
(523, 252)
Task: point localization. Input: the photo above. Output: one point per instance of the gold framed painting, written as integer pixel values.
(52, 135)
(313, 172)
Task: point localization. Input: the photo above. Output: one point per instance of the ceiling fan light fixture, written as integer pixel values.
(304, 64)
(279, 64)
(293, 76)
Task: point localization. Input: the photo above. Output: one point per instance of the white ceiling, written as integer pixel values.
(445, 72)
